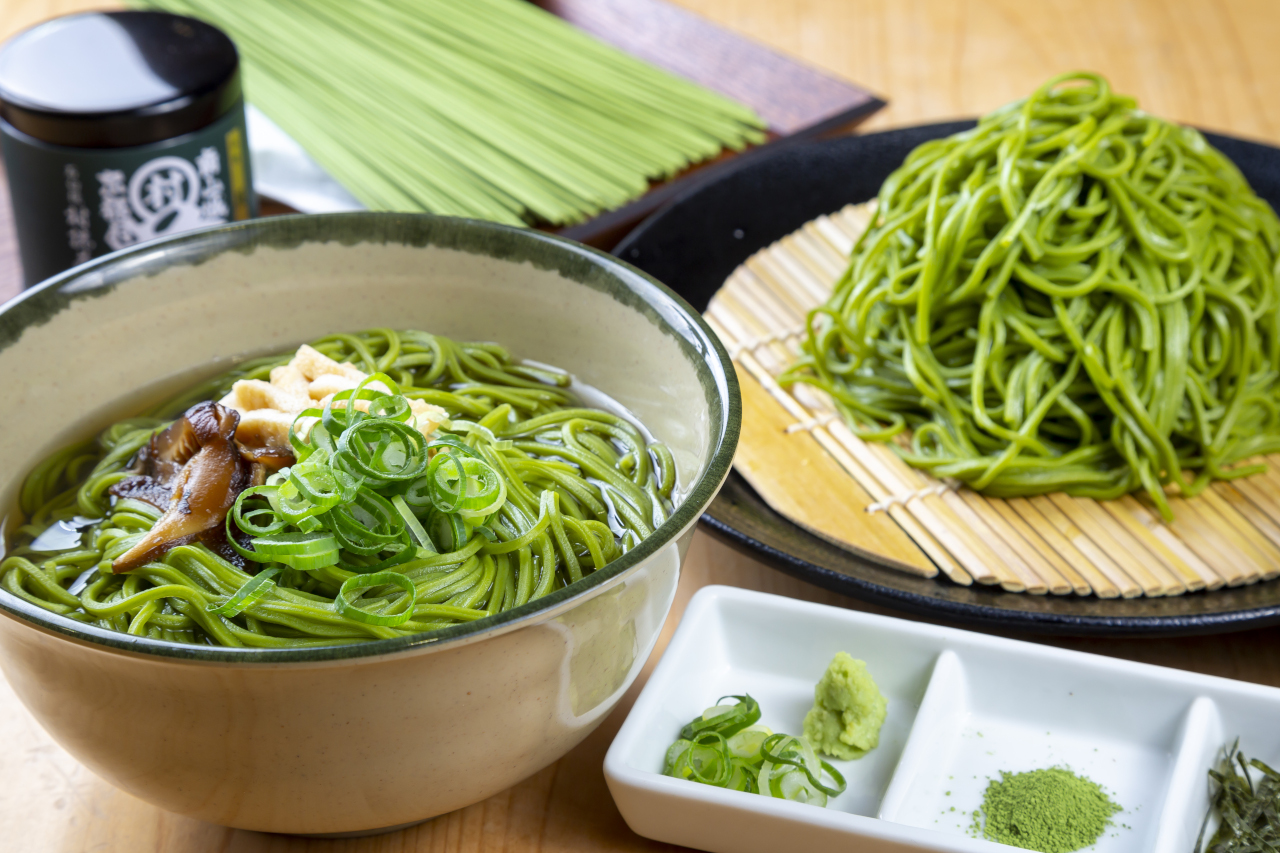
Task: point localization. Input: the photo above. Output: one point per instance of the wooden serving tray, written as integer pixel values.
(796, 100)
(809, 467)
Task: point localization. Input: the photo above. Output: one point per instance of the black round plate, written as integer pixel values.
(700, 237)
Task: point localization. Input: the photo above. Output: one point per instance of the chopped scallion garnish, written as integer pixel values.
(725, 747)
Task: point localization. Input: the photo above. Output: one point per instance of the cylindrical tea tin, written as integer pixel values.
(117, 127)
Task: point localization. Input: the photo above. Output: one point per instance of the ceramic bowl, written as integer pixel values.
(356, 738)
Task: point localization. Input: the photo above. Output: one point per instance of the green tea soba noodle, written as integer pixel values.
(433, 483)
(1073, 296)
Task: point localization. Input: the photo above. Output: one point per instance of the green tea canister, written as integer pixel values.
(119, 127)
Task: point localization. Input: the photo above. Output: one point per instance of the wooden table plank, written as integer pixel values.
(1208, 64)
(1213, 65)
(790, 96)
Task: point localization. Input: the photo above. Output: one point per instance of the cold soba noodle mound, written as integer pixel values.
(1073, 296)
(368, 486)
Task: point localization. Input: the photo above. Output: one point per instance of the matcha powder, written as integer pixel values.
(1052, 810)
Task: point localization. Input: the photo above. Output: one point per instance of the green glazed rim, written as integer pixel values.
(582, 264)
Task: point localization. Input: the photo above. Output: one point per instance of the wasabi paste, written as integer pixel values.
(848, 710)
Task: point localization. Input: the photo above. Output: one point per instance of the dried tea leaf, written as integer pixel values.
(1249, 812)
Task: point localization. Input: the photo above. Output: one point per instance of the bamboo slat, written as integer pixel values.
(808, 486)
(1265, 502)
(1004, 540)
(1021, 539)
(1103, 574)
(1133, 508)
(1179, 576)
(1262, 545)
(810, 467)
(764, 483)
(1055, 556)
(1101, 528)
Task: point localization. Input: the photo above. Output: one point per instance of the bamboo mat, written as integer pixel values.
(806, 463)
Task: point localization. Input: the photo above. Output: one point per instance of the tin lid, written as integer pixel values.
(117, 79)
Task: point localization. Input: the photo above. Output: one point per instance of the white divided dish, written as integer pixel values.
(962, 708)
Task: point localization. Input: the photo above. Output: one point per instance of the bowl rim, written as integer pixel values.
(193, 247)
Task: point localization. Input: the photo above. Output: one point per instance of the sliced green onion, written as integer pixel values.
(447, 530)
(321, 483)
(418, 493)
(305, 552)
(447, 479)
(729, 720)
(485, 490)
(337, 419)
(368, 525)
(346, 606)
(452, 442)
(307, 434)
(383, 449)
(464, 484)
(782, 749)
(411, 521)
(400, 555)
(476, 429)
(246, 596)
(257, 520)
(746, 743)
(724, 747)
(702, 761)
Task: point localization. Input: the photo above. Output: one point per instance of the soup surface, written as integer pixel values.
(366, 486)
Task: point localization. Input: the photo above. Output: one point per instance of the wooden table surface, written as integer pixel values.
(1213, 64)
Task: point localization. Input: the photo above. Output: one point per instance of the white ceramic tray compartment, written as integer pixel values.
(962, 707)
(1014, 710)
